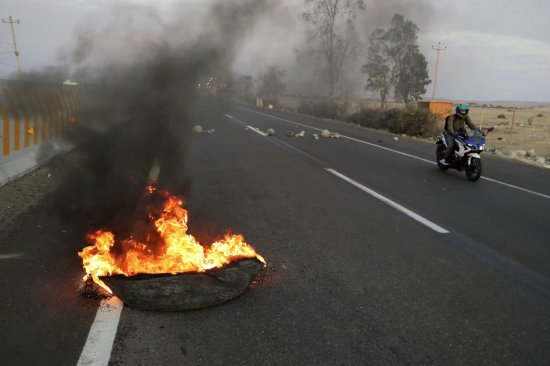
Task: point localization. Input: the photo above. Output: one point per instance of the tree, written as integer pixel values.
(395, 62)
(413, 76)
(409, 76)
(271, 82)
(246, 83)
(377, 67)
(332, 34)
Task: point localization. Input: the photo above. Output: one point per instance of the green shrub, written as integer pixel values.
(540, 115)
(502, 116)
(373, 118)
(415, 122)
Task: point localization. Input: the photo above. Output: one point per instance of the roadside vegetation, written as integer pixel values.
(409, 120)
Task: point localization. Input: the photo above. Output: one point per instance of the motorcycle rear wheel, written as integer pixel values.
(473, 169)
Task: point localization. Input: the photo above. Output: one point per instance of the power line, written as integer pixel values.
(438, 49)
(11, 22)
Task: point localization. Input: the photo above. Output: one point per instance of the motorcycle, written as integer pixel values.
(466, 156)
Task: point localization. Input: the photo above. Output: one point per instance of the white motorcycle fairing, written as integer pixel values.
(461, 149)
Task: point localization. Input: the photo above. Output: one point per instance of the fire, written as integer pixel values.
(169, 249)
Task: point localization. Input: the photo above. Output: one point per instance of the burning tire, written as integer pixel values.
(165, 292)
(159, 266)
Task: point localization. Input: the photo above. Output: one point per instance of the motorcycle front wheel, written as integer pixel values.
(473, 169)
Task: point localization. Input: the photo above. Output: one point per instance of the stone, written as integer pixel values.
(270, 132)
(197, 129)
(290, 133)
(325, 134)
(531, 152)
(521, 153)
(192, 290)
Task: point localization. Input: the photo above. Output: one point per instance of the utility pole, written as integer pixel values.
(438, 49)
(11, 22)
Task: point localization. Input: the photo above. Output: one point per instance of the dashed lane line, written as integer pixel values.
(402, 153)
(99, 344)
(11, 256)
(391, 203)
(365, 189)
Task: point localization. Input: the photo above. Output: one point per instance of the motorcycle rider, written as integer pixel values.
(454, 126)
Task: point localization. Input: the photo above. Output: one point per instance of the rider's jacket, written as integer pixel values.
(455, 124)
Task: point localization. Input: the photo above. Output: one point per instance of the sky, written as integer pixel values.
(496, 49)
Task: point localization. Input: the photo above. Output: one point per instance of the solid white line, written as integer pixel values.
(402, 153)
(97, 350)
(516, 187)
(391, 203)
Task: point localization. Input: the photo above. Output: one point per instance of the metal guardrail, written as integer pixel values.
(33, 113)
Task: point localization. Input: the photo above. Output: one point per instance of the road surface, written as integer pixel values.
(374, 256)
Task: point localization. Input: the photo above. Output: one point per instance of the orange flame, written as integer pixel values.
(177, 252)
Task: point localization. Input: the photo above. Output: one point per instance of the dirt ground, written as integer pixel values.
(530, 130)
(27, 191)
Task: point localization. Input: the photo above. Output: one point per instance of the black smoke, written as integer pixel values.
(139, 85)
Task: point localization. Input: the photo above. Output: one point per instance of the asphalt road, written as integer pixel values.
(350, 278)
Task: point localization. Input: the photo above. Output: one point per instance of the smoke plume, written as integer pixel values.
(139, 83)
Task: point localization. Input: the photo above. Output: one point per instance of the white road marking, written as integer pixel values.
(402, 153)
(345, 137)
(154, 172)
(257, 130)
(391, 203)
(516, 187)
(11, 256)
(97, 350)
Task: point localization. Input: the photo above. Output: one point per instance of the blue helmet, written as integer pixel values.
(462, 109)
